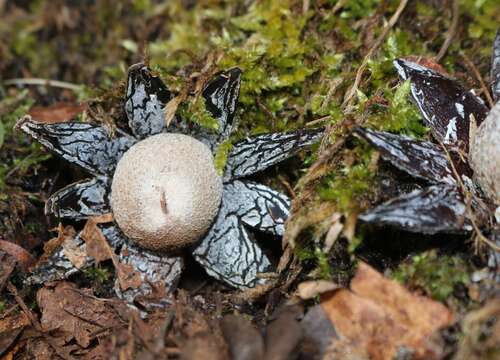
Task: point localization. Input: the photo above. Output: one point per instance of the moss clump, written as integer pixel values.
(220, 159)
(433, 273)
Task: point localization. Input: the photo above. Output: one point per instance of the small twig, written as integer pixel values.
(392, 21)
(43, 82)
(455, 14)
(479, 78)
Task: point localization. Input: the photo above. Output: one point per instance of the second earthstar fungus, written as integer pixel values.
(227, 250)
(455, 196)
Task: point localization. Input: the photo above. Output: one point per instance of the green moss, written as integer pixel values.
(97, 273)
(221, 155)
(436, 274)
(350, 181)
(196, 112)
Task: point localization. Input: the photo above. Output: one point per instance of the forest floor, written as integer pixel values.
(346, 289)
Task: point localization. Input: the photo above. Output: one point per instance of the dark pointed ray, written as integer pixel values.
(258, 206)
(89, 146)
(421, 159)
(156, 268)
(495, 68)
(146, 98)
(59, 267)
(80, 200)
(228, 253)
(221, 97)
(445, 105)
(436, 209)
(257, 153)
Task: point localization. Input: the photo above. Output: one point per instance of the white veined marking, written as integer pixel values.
(451, 131)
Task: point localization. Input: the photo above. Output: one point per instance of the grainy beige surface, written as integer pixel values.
(166, 191)
(485, 155)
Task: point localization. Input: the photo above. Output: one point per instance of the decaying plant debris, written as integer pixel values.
(390, 249)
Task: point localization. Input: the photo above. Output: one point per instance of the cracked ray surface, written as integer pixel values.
(445, 105)
(421, 159)
(146, 98)
(158, 270)
(228, 252)
(258, 206)
(438, 208)
(255, 154)
(495, 68)
(59, 267)
(80, 200)
(90, 146)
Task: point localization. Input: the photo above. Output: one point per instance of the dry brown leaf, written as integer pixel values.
(63, 233)
(74, 252)
(171, 107)
(99, 249)
(56, 113)
(76, 313)
(22, 256)
(97, 245)
(378, 317)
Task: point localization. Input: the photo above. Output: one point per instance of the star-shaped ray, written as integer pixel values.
(80, 200)
(445, 105)
(91, 147)
(255, 154)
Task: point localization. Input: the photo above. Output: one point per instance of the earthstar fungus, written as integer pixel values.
(156, 178)
(448, 165)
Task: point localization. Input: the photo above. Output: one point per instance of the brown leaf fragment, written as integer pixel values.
(74, 252)
(99, 249)
(75, 313)
(51, 246)
(381, 318)
(22, 256)
(56, 113)
(97, 245)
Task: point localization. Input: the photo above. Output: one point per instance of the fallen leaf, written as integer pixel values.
(22, 256)
(56, 113)
(99, 249)
(97, 245)
(76, 313)
(171, 107)
(378, 317)
(74, 252)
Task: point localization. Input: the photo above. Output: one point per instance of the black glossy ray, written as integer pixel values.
(255, 154)
(90, 146)
(59, 267)
(221, 97)
(436, 209)
(146, 98)
(258, 206)
(421, 159)
(80, 200)
(445, 105)
(495, 67)
(156, 269)
(228, 253)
